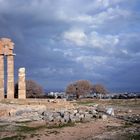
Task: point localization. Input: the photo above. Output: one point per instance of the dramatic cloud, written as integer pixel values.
(76, 36)
(59, 41)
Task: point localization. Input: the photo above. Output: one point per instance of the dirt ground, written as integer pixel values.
(111, 128)
(81, 131)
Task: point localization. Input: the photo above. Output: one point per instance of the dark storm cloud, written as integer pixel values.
(59, 41)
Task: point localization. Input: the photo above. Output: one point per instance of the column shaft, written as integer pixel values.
(1, 76)
(10, 77)
(21, 84)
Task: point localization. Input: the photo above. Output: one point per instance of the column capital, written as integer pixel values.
(11, 54)
(6, 46)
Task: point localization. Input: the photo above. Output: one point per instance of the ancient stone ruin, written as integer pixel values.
(21, 84)
(6, 50)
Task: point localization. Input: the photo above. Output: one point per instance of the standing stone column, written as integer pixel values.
(21, 84)
(1, 76)
(10, 76)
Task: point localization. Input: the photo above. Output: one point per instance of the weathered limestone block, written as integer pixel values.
(10, 77)
(1, 48)
(1, 77)
(21, 84)
(8, 42)
(6, 46)
(67, 117)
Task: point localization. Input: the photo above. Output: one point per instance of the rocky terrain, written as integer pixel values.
(12, 112)
(58, 119)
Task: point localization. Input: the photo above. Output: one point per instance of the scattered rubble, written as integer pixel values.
(19, 113)
(133, 118)
(110, 111)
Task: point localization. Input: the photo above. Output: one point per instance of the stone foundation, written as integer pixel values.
(47, 112)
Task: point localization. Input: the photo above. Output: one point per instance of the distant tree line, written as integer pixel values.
(84, 87)
(77, 89)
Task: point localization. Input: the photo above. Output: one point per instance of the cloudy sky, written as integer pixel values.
(60, 41)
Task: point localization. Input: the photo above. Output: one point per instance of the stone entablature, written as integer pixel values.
(6, 46)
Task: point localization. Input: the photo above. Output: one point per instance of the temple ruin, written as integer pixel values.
(6, 51)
